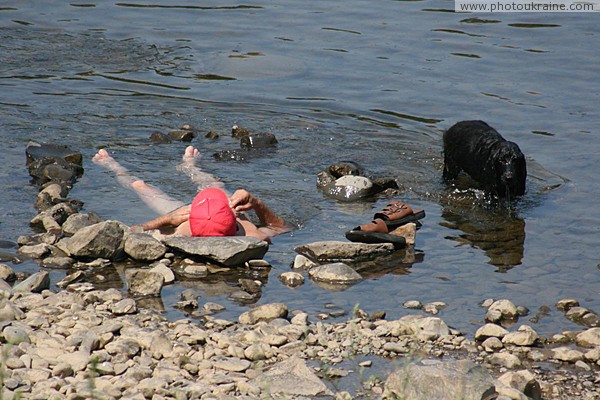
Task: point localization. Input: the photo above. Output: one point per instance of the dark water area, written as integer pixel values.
(374, 82)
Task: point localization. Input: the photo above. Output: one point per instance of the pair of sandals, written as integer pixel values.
(391, 217)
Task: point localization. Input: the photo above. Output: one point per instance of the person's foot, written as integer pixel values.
(104, 159)
(190, 155)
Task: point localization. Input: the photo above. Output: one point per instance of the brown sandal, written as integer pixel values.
(398, 213)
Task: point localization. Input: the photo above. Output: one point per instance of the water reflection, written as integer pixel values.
(499, 233)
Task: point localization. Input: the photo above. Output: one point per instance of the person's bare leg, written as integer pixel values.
(154, 198)
(188, 166)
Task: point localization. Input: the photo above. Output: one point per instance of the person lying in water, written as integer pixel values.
(211, 213)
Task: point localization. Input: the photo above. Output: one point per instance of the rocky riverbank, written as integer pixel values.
(83, 343)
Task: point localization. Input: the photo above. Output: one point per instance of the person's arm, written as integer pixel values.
(174, 219)
(241, 201)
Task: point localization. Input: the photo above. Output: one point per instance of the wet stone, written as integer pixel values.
(291, 279)
(566, 304)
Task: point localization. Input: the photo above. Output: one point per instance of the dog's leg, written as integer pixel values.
(451, 170)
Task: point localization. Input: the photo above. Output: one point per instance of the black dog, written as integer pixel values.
(479, 150)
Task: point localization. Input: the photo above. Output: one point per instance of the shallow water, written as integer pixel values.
(373, 82)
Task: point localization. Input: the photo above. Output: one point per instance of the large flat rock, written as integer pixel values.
(343, 251)
(230, 251)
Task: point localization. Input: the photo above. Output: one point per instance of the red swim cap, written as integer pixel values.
(211, 214)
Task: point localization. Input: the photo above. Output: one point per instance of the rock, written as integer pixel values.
(258, 351)
(15, 335)
(101, 240)
(407, 231)
(238, 131)
(184, 135)
(191, 271)
(291, 279)
(425, 329)
(414, 304)
(9, 312)
(123, 307)
(265, 312)
(159, 138)
(232, 364)
(303, 263)
(434, 307)
(250, 286)
(6, 273)
(524, 381)
(429, 379)
(258, 141)
(349, 188)
(165, 271)
(229, 251)
(566, 304)
(525, 336)
(566, 354)
(258, 264)
(35, 283)
(593, 355)
(231, 155)
(589, 338)
(290, 378)
(141, 246)
(490, 330)
(145, 283)
(343, 168)
(343, 251)
(75, 277)
(57, 262)
(34, 251)
(506, 360)
(212, 135)
(50, 194)
(506, 309)
(53, 162)
(75, 222)
(492, 344)
(335, 273)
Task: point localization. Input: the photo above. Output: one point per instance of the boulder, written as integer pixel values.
(101, 240)
(524, 381)
(183, 135)
(291, 279)
(157, 137)
(490, 330)
(505, 308)
(291, 378)
(34, 251)
(265, 312)
(335, 273)
(425, 328)
(7, 273)
(344, 251)
(35, 283)
(229, 251)
(524, 336)
(141, 246)
(430, 379)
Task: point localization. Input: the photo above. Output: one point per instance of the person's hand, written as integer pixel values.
(241, 200)
(180, 215)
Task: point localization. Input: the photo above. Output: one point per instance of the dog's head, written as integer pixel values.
(511, 170)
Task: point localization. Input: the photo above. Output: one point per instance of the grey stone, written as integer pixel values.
(145, 283)
(35, 283)
(566, 304)
(165, 271)
(343, 251)
(492, 344)
(506, 360)
(438, 380)
(524, 381)
(523, 337)
(506, 308)
(265, 312)
(125, 306)
(567, 354)
(58, 262)
(425, 328)
(407, 231)
(291, 378)
(490, 330)
(335, 273)
(589, 338)
(291, 279)
(75, 222)
(349, 188)
(101, 240)
(15, 335)
(414, 304)
(6, 273)
(303, 263)
(232, 364)
(229, 251)
(75, 277)
(141, 246)
(34, 251)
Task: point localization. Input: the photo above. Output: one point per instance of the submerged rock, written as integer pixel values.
(159, 138)
(335, 273)
(145, 283)
(258, 141)
(53, 162)
(349, 188)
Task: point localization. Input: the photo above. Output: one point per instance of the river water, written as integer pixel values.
(376, 82)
